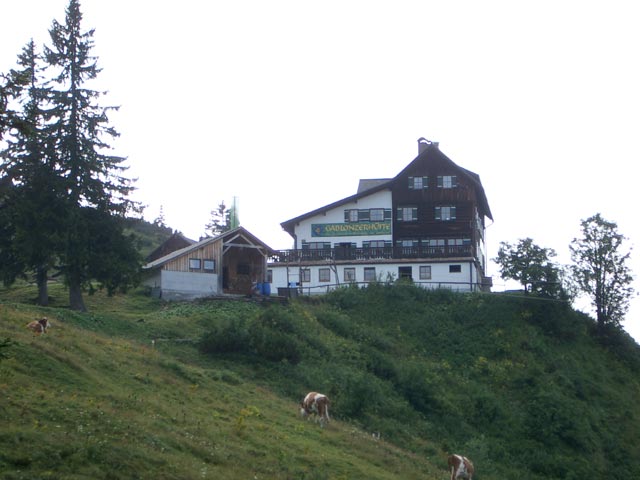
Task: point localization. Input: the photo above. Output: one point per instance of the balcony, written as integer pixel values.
(350, 254)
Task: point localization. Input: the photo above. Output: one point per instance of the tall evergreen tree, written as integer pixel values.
(92, 178)
(220, 221)
(30, 237)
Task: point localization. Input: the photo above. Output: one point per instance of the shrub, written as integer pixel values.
(231, 337)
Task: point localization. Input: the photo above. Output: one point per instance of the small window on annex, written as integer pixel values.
(324, 275)
(209, 266)
(455, 268)
(351, 216)
(376, 215)
(349, 274)
(369, 274)
(425, 272)
(405, 272)
(269, 276)
(194, 264)
(305, 275)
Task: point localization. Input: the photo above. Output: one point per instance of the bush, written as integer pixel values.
(231, 337)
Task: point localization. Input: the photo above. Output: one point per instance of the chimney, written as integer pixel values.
(423, 144)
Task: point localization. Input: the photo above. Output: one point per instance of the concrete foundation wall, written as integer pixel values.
(188, 285)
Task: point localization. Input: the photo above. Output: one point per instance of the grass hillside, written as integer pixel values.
(138, 388)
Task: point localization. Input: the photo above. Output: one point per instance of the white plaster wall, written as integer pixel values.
(440, 276)
(380, 199)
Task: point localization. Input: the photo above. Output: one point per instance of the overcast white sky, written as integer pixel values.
(287, 104)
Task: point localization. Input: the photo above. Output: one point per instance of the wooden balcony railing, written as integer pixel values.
(359, 253)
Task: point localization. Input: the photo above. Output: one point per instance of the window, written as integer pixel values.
(243, 269)
(407, 214)
(418, 183)
(445, 214)
(447, 181)
(405, 272)
(324, 275)
(408, 243)
(376, 214)
(316, 245)
(369, 274)
(209, 266)
(374, 244)
(269, 276)
(351, 216)
(194, 264)
(425, 272)
(305, 275)
(349, 274)
(455, 268)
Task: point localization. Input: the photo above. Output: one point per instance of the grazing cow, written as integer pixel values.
(39, 326)
(461, 467)
(318, 404)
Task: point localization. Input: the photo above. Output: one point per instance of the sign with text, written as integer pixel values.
(350, 229)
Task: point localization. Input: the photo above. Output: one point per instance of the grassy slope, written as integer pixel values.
(94, 399)
(519, 385)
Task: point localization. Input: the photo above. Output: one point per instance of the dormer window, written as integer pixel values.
(447, 181)
(418, 183)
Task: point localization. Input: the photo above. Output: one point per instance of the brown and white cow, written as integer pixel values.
(461, 467)
(318, 404)
(39, 326)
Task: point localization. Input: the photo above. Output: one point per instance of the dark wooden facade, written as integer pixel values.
(467, 197)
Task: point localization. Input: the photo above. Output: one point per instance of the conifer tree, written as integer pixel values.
(220, 221)
(29, 239)
(91, 177)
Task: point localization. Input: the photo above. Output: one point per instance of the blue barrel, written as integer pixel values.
(258, 288)
(266, 289)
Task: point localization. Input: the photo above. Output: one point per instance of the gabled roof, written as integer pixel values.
(432, 149)
(289, 225)
(226, 237)
(177, 238)
(368, 183)
(368, 186)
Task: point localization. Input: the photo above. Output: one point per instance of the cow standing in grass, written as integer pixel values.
(318, 404)
(461, 467)
(38, 327)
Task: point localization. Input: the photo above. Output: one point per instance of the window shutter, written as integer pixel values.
(414, 213)
(387, 214)
(453, 213)
(454, 181)
(346, 216)
(399, 214)
(440, 181)
(438, 212)
(363, 215)
(410, 183)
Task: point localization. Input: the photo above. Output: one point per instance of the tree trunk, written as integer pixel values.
(76, 301)
(43, 291)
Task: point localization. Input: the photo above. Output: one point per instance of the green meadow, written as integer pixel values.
(139, 388)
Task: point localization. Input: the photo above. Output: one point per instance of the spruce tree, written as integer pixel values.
(32, 203)
(92, 178)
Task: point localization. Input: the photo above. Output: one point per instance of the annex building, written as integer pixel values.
(426, 225)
